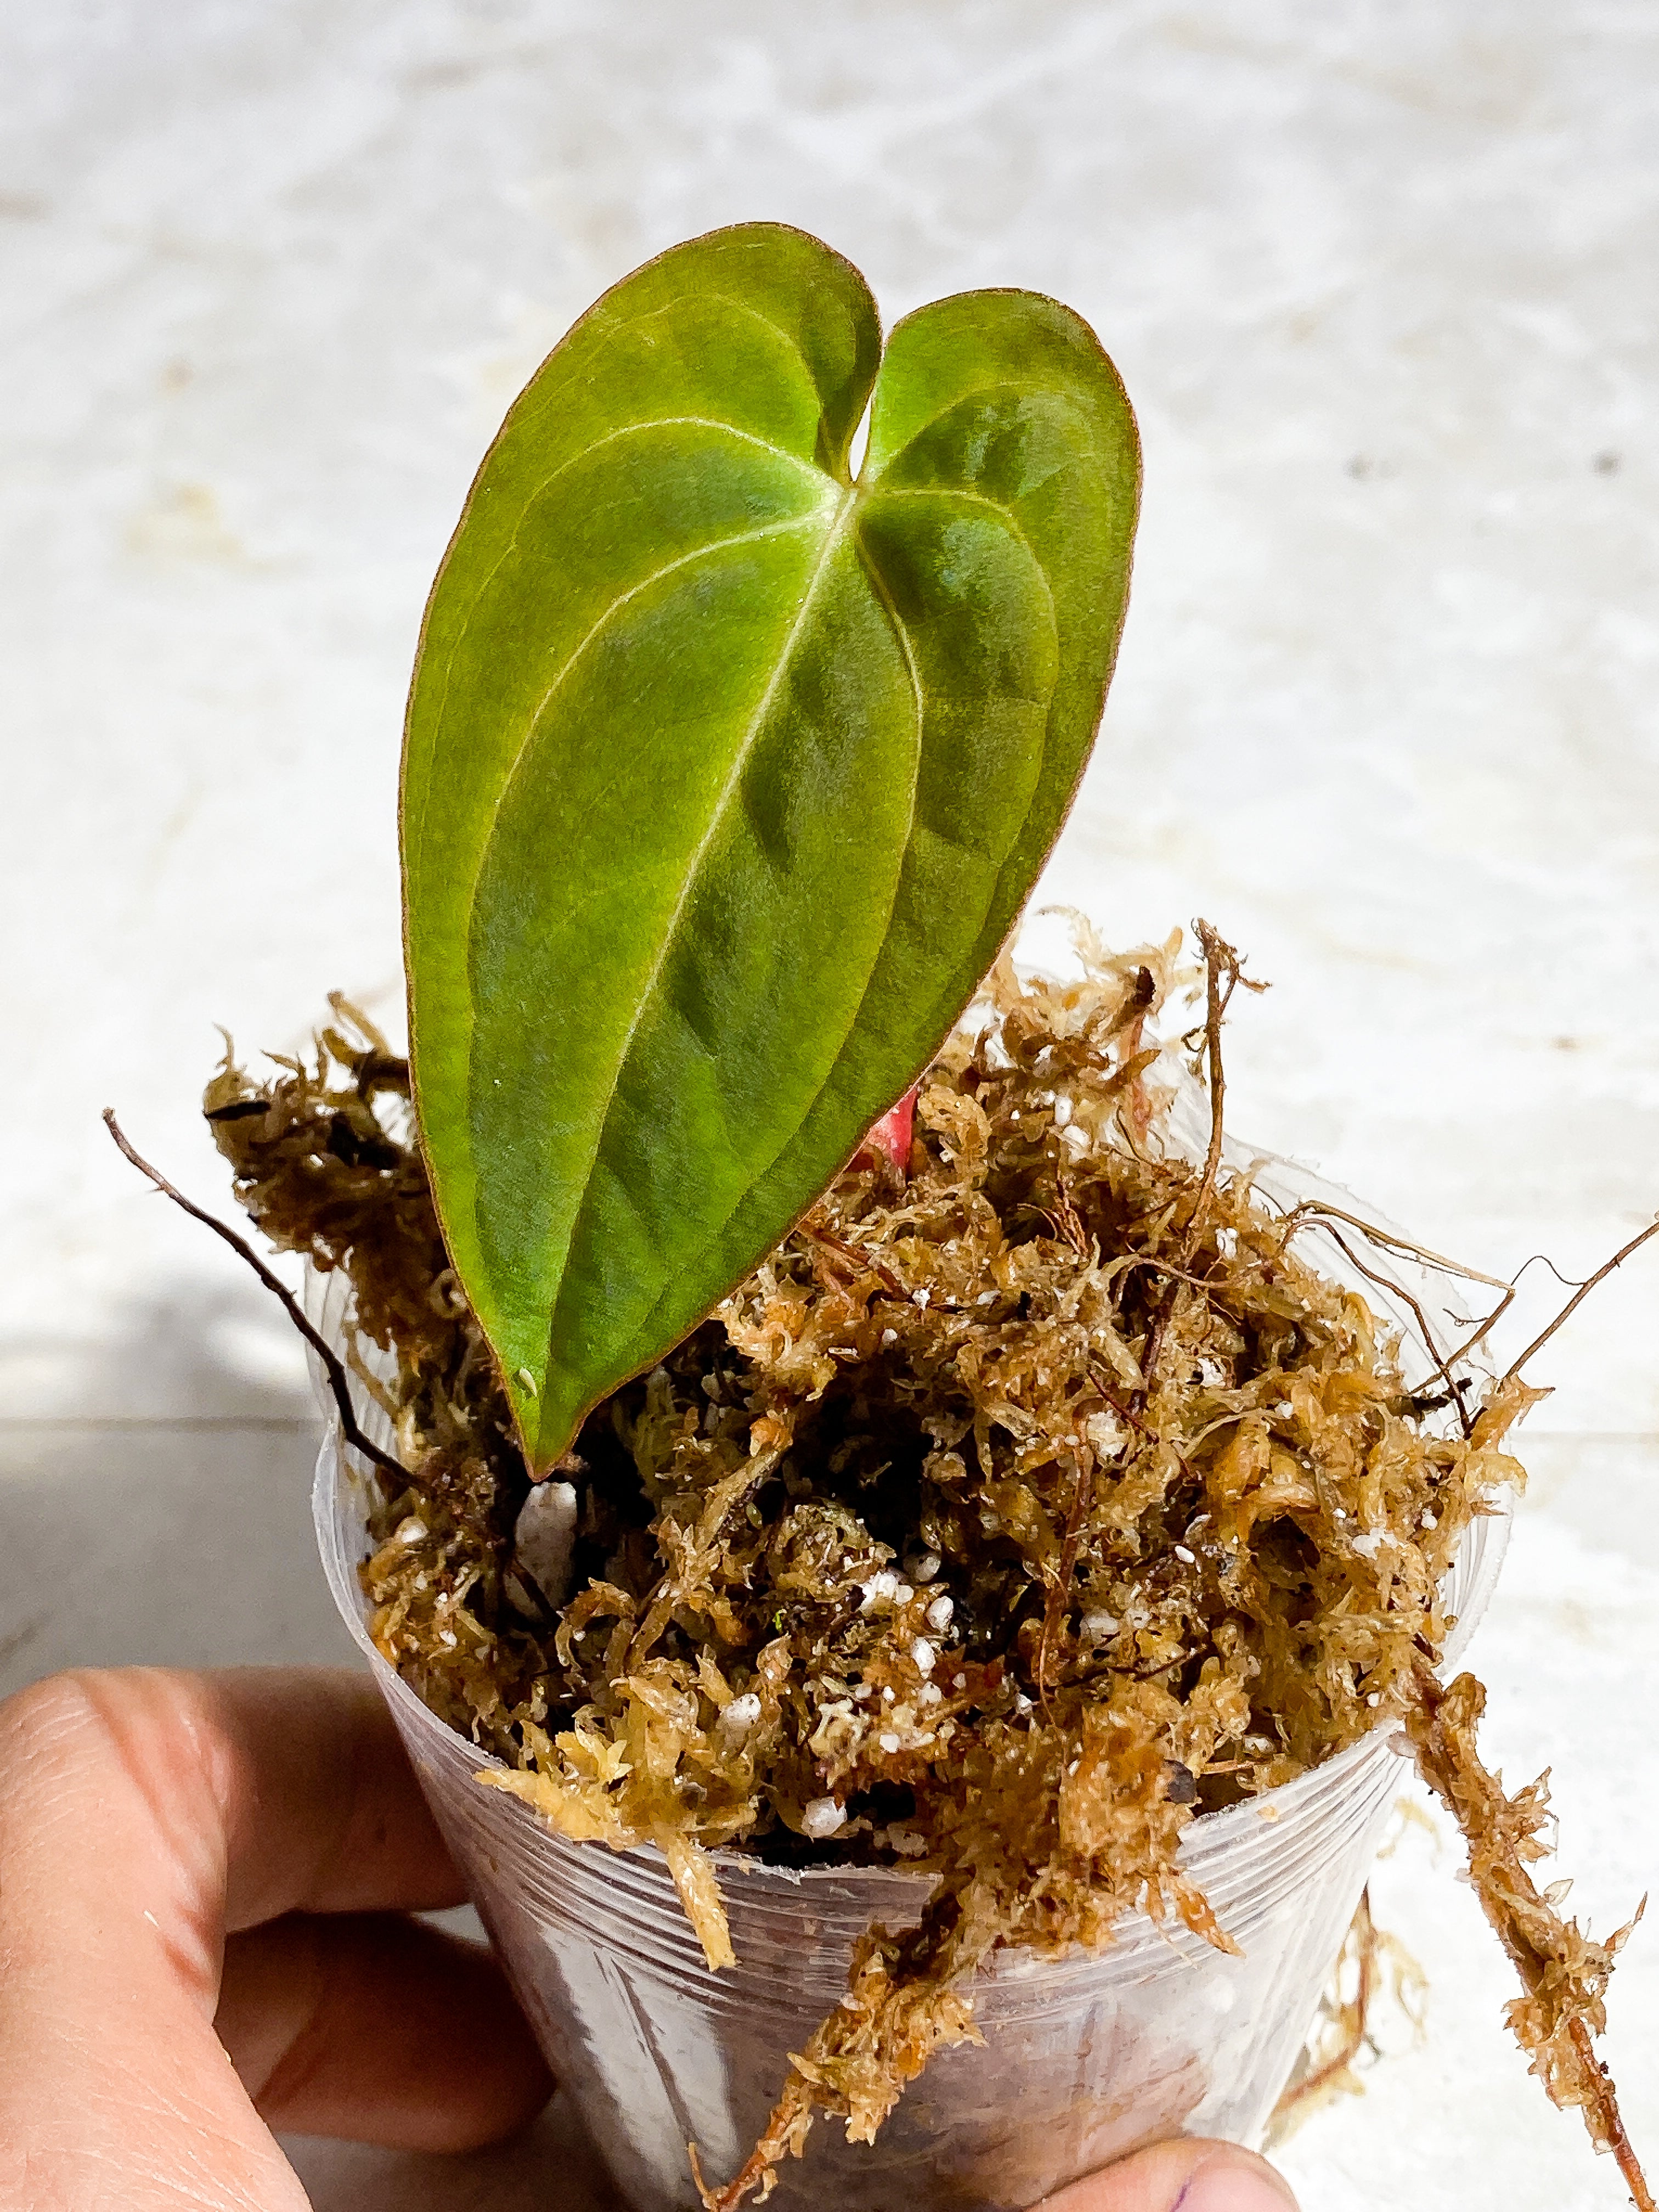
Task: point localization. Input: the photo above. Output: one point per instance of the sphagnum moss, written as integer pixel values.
(1024, 1502)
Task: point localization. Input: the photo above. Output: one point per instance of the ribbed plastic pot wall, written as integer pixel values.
(1084, 2056)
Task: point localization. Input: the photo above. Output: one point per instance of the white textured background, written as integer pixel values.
(1383, 282)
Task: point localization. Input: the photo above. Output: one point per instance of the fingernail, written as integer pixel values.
(1234, 2185)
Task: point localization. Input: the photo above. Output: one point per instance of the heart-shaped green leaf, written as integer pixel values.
(726, 774)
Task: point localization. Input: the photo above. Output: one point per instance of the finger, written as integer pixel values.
(321, 1809)
(137, 1809)
(240, 1795)
(380, 2029)
(113, 2085)
(1193, 2176)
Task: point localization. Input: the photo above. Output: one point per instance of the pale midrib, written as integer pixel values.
(885, 599)
(879, 585)
(716, 816)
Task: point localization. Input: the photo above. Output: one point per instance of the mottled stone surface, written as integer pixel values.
(1380, 279)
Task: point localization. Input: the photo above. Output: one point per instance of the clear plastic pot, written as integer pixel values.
(1084, 2056)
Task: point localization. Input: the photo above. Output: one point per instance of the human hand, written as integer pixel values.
(1185, 2175)
(203, 1885)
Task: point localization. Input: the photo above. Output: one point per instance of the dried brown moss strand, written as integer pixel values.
(1455, 1772)
(332, 1364)
(1619, 2142)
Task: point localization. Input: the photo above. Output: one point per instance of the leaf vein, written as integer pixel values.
(979, 499)
(839, 1060)
(613, 607)
(674, 423)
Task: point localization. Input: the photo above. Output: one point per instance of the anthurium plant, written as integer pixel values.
(730, 760)
(729, 764)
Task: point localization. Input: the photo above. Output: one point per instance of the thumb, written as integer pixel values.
(1181, 2176)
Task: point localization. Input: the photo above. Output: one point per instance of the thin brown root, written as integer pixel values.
(1318, 1214)
(861, 1261)
(1318, 1210)
(1223, 973)
(1580, 1294)
(333, 1364)
(1312, 1208)
(1442, 1367)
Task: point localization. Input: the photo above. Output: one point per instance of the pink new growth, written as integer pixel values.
(890, 1138)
